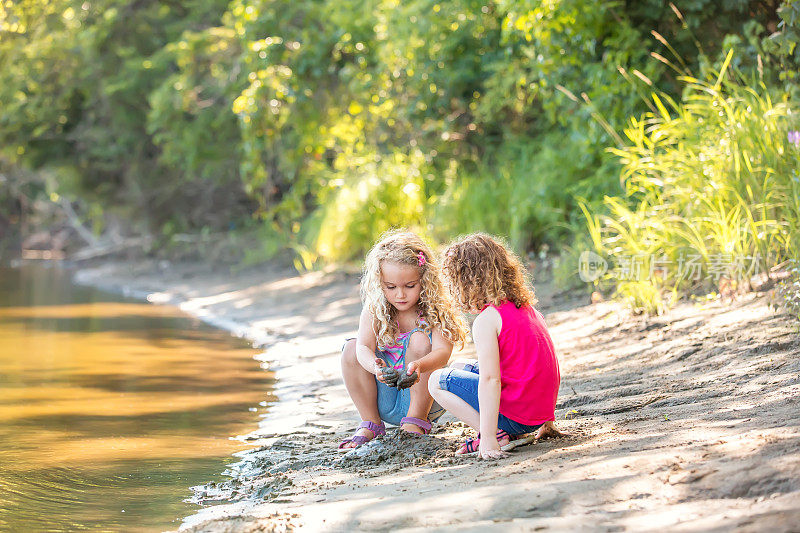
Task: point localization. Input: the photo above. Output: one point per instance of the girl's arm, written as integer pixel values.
(485, 330)
(440, 352)
(367, 343)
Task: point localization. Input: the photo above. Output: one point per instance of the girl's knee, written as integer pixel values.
(349, 352)
(418, 345)
(433, 381)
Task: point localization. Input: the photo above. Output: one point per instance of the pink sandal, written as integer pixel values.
(424, 425)
(470, 446)
(376, 429)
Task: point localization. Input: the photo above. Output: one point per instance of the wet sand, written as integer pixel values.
(689, 421)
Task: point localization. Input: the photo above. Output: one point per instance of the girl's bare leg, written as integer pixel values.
(548, 429)
(421, 401)
(455, 405)
(361, 387)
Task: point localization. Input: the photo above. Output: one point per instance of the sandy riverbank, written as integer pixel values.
(687, 421)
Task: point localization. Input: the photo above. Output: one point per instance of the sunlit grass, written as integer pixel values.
(714, 177)
(384, 192)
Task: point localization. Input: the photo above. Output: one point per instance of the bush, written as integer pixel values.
(711, 187)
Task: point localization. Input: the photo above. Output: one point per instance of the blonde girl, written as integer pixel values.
(407, 329)
(512, 390)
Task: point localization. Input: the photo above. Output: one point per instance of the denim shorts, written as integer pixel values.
(393, 404)
(464, 384)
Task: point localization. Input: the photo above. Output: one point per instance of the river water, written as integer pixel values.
(110, 409)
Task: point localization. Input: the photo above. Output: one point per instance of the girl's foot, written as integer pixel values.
(415, 425)
(367, 431)
(471, 445)
(548, 431)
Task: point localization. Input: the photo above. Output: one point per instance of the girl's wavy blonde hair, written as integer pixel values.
(435, 303)
(482, 271)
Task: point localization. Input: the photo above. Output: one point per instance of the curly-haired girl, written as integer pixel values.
(407, 329)
(518, 381)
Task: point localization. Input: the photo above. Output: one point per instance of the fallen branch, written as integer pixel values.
(93, 252)
(76, 224)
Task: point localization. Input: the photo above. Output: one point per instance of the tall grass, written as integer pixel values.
(386, 192)
(712, 179)
(524, 191)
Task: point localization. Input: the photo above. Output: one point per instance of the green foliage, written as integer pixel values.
(189, 115)
(76, 88)
(783, 44)
(386, 192)
(511, 194)
(318, 124)
(712, 177)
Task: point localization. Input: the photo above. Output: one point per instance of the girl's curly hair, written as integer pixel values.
(482, 271)
(435, 303)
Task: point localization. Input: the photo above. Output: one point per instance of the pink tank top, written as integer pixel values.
(529, 374)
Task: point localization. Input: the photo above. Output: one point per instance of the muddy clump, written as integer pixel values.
(400, 380)
(265, 472)
(396, 450)
(258, 488)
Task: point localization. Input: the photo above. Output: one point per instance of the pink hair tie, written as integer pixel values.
(421, 258)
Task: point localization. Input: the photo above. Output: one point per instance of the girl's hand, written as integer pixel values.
(410, 377)
(489, 448)
(385, 374)
(379, 364)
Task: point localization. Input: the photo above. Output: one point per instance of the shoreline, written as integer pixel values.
(143, 281)
(86, 277)
(686, 421)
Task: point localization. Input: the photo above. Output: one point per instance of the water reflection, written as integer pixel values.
(110, 409)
